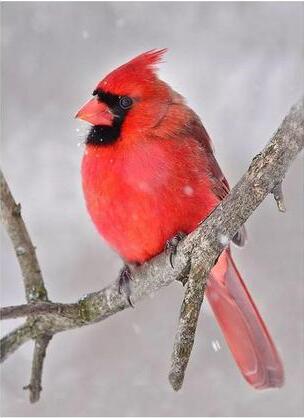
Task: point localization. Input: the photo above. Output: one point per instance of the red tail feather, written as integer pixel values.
(243, 328)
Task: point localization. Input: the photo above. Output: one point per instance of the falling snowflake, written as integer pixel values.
(85, 34)
(216, 345)
(188, 190)
(136, 328)
(120, 23)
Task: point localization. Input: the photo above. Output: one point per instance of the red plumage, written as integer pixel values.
(159, 177)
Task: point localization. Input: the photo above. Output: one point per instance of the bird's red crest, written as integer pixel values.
(133, 75)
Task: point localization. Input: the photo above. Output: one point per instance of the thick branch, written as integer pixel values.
(203, 245)
(200, 249)
(37, 308)
(265, 175)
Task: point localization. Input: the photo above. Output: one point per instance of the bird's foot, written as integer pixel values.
(124, 286)
(172, 244)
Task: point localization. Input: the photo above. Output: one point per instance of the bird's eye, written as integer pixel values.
(125, 102)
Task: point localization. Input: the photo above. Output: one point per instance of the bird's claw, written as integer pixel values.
(171, 246)
(125, 276)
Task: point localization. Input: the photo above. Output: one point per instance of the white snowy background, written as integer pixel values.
(240, 66)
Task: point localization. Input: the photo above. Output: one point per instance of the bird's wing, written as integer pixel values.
(220, 184)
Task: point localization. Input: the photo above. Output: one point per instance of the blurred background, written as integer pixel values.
(240, 66)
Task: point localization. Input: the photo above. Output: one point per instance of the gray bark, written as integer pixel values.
(195, 257)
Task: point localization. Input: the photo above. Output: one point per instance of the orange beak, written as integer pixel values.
(96, 113)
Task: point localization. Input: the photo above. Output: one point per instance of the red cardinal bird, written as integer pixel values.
(149, 174)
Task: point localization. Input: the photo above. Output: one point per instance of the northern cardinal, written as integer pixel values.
(149, 174)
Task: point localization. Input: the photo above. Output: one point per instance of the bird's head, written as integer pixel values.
(131, 98)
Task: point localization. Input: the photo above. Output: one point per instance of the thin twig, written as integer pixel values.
(35, 290)
(12, 341)
(34, 386)
(10, 215)
(184, 338)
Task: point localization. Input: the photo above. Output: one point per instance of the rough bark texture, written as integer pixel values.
(35, 290)
(195, 256)
(264, 176)
(12, 341)
(10, 216)
(34, 386)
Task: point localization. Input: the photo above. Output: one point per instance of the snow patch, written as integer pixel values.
(188, 190)
(20, 250)
(223, 239)
(144, 186)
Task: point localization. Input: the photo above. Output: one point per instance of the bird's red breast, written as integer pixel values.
(157, 176)
(140, 193)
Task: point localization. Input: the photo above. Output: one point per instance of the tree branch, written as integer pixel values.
(34, 386)
(264, 176)
(184, 338)
(12, 341)
(35, 290)
(34, 309)
(10, 215)
(196, 254)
